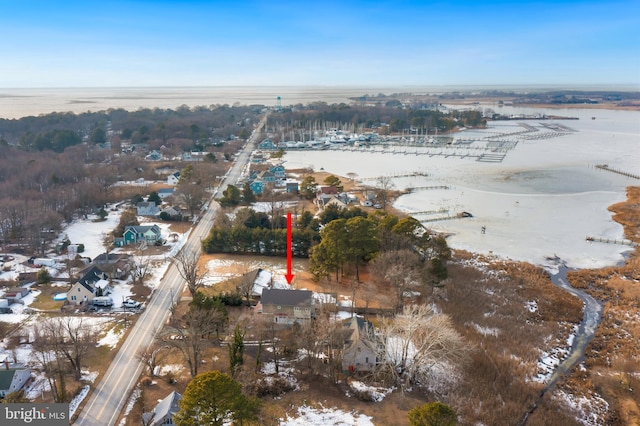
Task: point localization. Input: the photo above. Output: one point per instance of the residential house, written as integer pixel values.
(165, 192)
(13, 378)
(278, 171)
(257, 186)
(267, 176)
(164, 411)
(153, 156)
(326, 200)
(173, 178)
(149, 234)
(16, 294)
(257, 158)
(267, 144)
(359, 350)
(173, 213)
(291, 186)
(287, 306)
(326, 190)
(117, 265)
(147, 208)
(92, 284)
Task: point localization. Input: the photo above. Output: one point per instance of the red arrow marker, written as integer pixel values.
(289, 276)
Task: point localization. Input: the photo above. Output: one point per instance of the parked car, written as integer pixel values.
(130, 304)
(103, 301)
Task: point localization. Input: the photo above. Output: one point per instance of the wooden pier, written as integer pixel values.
(424, 188)
(613, 241)
(618, 171)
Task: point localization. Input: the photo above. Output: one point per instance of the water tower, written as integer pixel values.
(278, 103)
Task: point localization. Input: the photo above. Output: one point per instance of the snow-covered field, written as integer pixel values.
(541, 201)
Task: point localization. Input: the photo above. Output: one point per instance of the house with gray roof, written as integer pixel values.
(12, 378)
(287, 306)
(147, 208)
(360, 348)
(163, 413)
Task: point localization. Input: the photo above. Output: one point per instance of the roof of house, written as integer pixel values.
(141, 229)
(146, 204)
(110, 257)
(6, 377)
(165, 190)
(91, 275)
(357, 329)
(166, 407)
(23, 291)
(327, 190)
(276, 296)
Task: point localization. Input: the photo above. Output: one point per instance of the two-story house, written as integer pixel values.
(149, 234)
(287, 306)
(359, 350)
(94, 282)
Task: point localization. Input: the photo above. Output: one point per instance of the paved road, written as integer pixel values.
(111, 394)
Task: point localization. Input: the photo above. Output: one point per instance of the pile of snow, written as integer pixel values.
(377, 393)
(326, 417)
(112, 338)
(130, 403)
(284, 372)
(77, 400)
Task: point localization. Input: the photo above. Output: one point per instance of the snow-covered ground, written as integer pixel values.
(311, 416)
(542, 200)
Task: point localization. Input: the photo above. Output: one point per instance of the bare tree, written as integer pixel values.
(401, 269)
(71, 338)
(383, 189)
(141, 265)
(192, 336)
(187, 264)
(415, 342)
(49, 361)
(152, 356)
(247, 282)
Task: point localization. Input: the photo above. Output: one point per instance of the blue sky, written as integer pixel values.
(61, 43)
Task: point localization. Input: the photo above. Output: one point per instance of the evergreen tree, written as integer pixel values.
(236, 350)
(212, 398)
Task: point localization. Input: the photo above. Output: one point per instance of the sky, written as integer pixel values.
(126, 43)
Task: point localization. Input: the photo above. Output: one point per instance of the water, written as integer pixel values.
(15, 103)
(540, 202)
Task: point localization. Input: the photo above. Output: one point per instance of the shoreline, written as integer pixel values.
(610, 106)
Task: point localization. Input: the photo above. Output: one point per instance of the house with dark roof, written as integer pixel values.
(164, 411)
(173, 178)
(93, 283)
(360, 348)
(116, 265)
(12, 378)
(287, 306)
